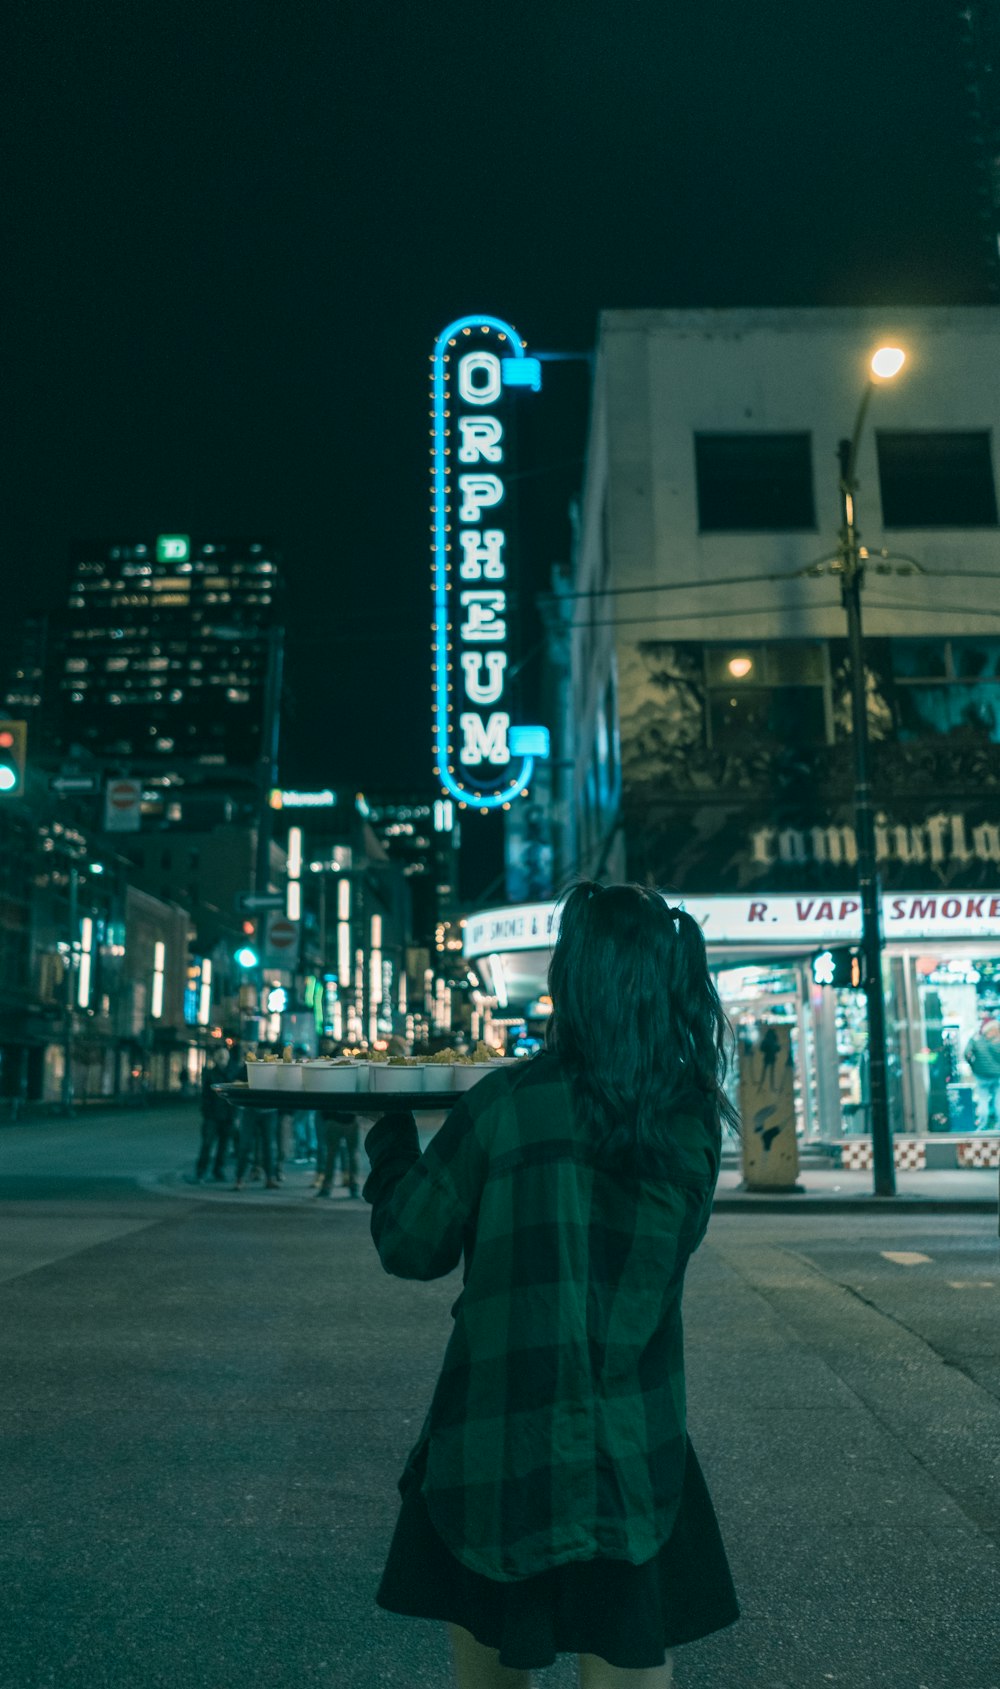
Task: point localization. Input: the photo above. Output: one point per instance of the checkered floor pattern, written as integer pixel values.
(979, 1152)
(910, 1154)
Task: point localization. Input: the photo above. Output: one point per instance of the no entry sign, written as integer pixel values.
(281, 940)
(123, 806)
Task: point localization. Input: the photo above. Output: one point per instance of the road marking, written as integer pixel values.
(969, 1283)
(904, 1257)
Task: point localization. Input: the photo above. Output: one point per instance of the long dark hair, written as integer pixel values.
(636, 1020)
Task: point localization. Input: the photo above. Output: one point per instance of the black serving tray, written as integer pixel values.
(339, 1102)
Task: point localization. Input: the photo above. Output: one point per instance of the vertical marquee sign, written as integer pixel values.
(479, 757)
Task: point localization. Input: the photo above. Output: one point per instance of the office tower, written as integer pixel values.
(165, 653)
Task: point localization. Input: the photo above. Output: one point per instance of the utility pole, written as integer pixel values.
(852, 573)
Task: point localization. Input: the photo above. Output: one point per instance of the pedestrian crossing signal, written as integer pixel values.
(842, 968)
(13, 748)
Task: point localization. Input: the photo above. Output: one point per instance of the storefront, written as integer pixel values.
(942, 979)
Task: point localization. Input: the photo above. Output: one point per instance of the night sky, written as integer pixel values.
(232, 232)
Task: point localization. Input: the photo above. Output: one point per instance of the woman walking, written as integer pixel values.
(553, 1502)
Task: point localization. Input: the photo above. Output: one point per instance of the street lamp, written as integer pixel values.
(885, 364)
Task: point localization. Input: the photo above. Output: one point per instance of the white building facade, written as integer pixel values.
(713, 751)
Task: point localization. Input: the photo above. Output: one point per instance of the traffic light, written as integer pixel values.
(246, 955)
(13, 747)
(842, 968)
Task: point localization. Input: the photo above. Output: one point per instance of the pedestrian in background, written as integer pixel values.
(216, 1117)
(553, 1502)
(331, 1131)
(983, 1056)
(337, 1129)
(256, 1143)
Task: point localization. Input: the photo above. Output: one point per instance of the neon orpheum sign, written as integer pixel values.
(479, 757)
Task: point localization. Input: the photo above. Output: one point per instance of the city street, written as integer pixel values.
(206, 1407)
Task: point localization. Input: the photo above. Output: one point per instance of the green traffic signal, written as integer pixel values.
(13, 748)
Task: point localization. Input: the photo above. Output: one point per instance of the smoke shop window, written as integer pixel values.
(936, 480)
(947, 687)
(767, 693)
(754, 483)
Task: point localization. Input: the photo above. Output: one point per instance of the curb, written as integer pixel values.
(731, 1202)
(736, 1204)
(252, 1195)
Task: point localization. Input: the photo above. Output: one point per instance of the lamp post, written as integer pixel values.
(68, 1096)
(886, 363)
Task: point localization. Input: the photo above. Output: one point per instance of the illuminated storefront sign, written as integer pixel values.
(173, 548)
(479, 757)
(282, 799)
(803, 919)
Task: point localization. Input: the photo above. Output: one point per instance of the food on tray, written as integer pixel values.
(443, 1058)
(251, 1055)
(286, 1054)
(486, 1052)
(403, 1061)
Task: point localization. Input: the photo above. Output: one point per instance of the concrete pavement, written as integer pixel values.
(205, 1407)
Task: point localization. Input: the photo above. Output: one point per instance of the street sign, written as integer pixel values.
(123, 806)
(281, 941)
(75, 783)
(248, 901)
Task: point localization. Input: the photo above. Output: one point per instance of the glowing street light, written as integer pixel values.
(886, 363)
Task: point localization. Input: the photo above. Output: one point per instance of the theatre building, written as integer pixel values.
(714, 756)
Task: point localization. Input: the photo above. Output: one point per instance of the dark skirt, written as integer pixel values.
(628, 1615)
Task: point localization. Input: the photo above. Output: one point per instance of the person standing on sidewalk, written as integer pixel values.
(334, 1128)
(216, 1117)
(983, 1056)
(553, 1502)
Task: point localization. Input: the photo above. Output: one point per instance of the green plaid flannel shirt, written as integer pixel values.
(557, 1428)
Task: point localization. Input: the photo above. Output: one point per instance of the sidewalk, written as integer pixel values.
(828, 1190)
(824, 1191)
(156, 1149)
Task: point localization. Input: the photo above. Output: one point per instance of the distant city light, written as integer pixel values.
(739, 667)
(245, 957)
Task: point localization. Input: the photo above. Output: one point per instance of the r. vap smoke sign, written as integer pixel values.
(767, 1110)
(480, 758)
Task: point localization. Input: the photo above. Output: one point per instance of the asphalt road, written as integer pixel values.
(205, 1406)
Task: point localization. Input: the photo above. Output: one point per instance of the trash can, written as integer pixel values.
(961, 1108)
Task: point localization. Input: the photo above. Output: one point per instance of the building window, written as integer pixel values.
(945, 687)
(936, 480)
(767, 693)
(753, 483)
